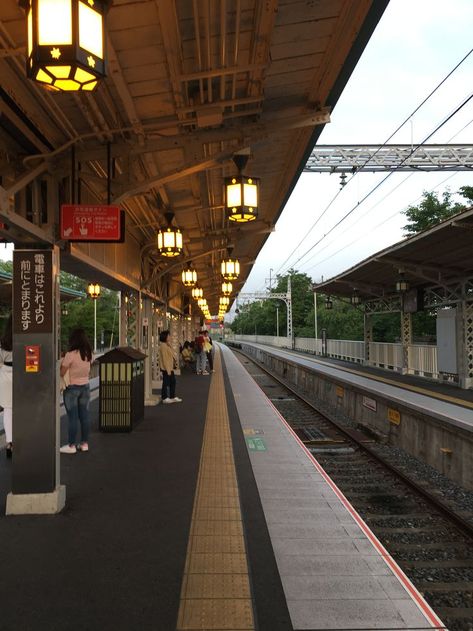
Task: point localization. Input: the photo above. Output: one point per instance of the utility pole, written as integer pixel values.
(277, 320)
(315, 313)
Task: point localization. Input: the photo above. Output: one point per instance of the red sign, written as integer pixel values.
(87, 222)
(32, 358)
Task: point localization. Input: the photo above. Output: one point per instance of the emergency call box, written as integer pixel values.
(32, 358)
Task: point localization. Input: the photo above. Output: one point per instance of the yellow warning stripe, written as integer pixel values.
(215, 591)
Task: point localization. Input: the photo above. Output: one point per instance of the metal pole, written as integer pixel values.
(95, 325)
(277, 321)
(315, 314)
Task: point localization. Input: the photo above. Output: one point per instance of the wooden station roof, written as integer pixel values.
(439, 256)
(189, 84)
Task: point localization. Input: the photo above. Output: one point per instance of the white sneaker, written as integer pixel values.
(68, 449)
(205, 373)
(82, 447)
(167, 401)
(177, 400)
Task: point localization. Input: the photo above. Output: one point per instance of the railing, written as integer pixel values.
(386, 355)
(349, 350)
(423, 361)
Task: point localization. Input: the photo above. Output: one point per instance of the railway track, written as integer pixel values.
(432, 543)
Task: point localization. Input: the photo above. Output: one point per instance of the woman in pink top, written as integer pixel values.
(77, 394)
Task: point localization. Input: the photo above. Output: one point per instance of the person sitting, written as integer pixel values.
(187, 355)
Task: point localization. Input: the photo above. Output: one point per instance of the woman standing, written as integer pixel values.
(77, 394)
(167, 363)
(6, 346)
(208, 350)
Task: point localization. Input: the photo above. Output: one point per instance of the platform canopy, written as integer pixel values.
(189, 84)
(437, 257)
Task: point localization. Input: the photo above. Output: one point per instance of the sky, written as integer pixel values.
(415, 45)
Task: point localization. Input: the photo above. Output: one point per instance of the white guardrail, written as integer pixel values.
(422, 358)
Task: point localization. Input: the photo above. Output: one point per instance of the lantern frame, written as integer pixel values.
(189, 276)
(241, 195)
(170, 239)
(197, 292)
(61, 61)
(355, 298)
(224, 301)
(328, 303)
(93, 290)
(230, 268)
(402, 285)
(227, 288)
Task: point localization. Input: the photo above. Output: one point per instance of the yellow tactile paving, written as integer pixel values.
(215, 593)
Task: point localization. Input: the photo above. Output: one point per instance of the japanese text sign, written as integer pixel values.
(32, 291)
(89, 222)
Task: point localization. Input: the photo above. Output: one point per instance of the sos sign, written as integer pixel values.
(87, 222)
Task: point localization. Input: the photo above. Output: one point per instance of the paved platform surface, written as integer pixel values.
(334, 573)
(448, 408)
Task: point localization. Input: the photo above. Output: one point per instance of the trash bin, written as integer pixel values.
(121, 390)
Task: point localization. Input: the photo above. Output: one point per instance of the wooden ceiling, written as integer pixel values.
(190, 82)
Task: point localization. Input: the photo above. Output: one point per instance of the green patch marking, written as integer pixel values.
(255, 444)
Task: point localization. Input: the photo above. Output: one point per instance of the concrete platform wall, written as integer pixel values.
(447, 448)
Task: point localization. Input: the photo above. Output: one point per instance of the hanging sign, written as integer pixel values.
(32, 291)
(88, 222)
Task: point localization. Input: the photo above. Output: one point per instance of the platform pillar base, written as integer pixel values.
(152, 400)
(36, 503)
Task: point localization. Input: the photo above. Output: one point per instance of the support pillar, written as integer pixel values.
(123, 323)
(147, 348)
(406, 340)
(174, 326)
(36, 487)
(465, 350)
(367, 335)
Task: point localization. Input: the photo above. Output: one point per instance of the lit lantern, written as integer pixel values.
(224, 301)
(170, 239)
(230, 269)
(355, 298)
(197, 292)
(227, 289)
(189, 276)
(241, 193)
(66, 43)
(93, 289)
(202, 302)
(328, 303)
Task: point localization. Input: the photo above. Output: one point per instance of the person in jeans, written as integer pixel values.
(208, 350)
(167, 363)
(201, 356)
(77, 363)
(6, 384)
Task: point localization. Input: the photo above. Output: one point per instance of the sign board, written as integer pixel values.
(370, 404)
(32, 358)
(394, 416)
(256, 444)
(32, 291)
(96, 223)
(339, 391)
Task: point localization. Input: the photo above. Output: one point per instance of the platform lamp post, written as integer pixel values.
(66, 50)
(93, 290)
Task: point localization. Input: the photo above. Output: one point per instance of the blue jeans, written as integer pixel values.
(201, 361)
(76, 402)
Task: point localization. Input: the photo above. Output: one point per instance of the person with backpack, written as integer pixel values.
(200, 354)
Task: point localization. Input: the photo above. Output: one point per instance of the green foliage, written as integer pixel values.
(432, 210)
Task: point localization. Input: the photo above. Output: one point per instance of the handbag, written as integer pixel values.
(65, 381)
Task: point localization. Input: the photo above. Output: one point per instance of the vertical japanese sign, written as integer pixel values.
(32, 294)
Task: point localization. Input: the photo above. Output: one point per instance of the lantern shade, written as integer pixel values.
(189, 277)
(66, 43)
(170, 241)
(402, 284)
(328, 303)
(93, 289)
(230, 269)
(241, 198)
(202, 302)
(355, 298)
(227, 288)
(224, 301)
(197, 292)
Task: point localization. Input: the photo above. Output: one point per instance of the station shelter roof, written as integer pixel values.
(438, 256)
(187, 88)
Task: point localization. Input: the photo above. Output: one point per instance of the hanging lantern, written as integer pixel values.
(224, 301)
(241, 193)
(402, 284)
(230, 269)
(355, 298)
(227, 289)
(328, 303)
(170, 239)
(202, 302)
(189, 276)
(93, 289)
(66, 43)
(197, 292)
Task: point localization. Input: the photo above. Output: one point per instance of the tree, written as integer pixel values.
(433, 210)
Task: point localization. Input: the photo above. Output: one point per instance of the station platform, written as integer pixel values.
(211, 514)
(444, 402)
